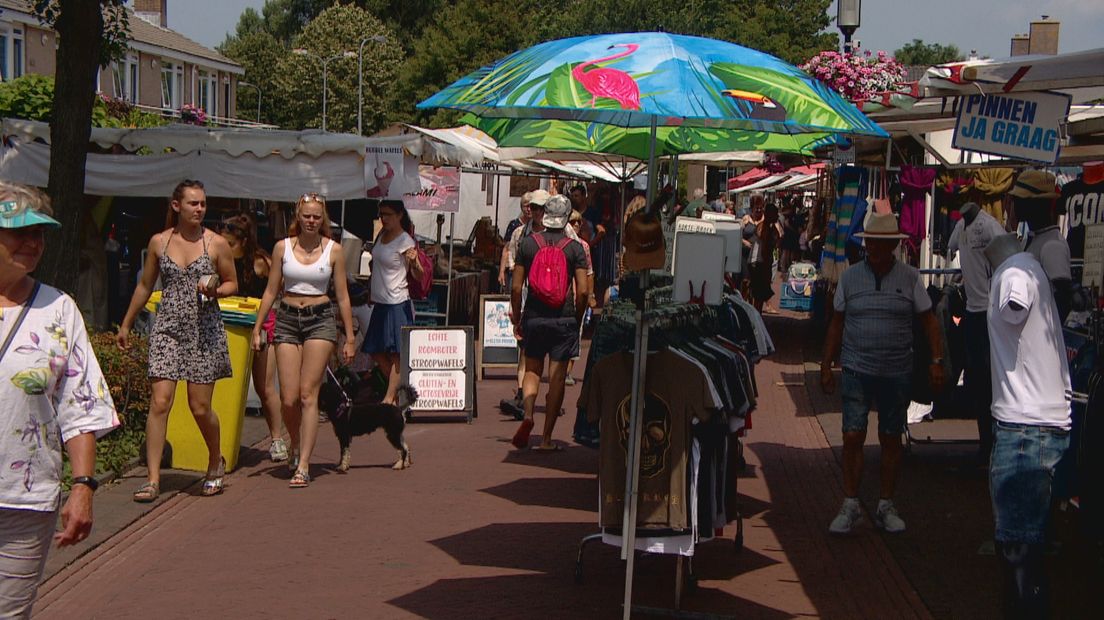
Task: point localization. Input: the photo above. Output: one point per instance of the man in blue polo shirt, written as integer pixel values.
(871, 333)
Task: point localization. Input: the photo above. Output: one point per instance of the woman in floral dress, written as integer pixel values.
(52, 393)
(188, 340)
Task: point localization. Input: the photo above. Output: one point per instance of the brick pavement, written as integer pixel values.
(478, 529)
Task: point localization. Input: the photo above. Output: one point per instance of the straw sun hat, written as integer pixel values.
(882, 226)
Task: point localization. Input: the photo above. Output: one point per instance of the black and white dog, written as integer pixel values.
(348, 402)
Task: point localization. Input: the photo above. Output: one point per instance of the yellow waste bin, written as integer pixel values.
(188, 449)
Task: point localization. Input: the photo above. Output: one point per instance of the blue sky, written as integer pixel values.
(982, 25)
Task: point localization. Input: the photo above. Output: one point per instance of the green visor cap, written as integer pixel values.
(15, 215)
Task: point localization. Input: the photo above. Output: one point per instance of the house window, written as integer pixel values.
(11, 52)
(206, 92)
(124, 75)
(17, 53)
(4, 38)
(132, 70)
(226, 97)
(172, 84)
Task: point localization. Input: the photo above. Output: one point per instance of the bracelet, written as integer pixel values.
(88, 481)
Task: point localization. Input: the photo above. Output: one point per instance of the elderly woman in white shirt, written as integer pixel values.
(52, 393)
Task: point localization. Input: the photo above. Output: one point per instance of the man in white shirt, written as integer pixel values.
(1031, 411)
(968, 240)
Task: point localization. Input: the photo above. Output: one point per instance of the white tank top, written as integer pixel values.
(312, 279)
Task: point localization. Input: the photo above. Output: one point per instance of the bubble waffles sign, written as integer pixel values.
(1022, 126)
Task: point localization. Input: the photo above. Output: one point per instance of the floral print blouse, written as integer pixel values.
(51, 390)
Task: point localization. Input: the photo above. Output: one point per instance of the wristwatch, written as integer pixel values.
(88, 481)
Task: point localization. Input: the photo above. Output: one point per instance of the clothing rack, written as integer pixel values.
(662, 314)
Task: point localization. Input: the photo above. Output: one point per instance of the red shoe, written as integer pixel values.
(521, 437)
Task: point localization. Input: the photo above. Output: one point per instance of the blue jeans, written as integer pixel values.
(859, 393)
(1021, 477)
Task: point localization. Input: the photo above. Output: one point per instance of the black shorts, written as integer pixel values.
(556, 338)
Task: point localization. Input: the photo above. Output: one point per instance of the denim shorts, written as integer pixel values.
(1021, 478)
(298, 325)
(860, 392)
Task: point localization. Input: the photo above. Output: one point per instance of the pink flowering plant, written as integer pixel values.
(193, 114)
(858, 77)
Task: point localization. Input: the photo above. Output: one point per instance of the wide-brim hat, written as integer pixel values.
(1034, 184)
(645, 247)
(13, 214)
(882, 226)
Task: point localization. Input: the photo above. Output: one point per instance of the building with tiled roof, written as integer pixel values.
(162, 70)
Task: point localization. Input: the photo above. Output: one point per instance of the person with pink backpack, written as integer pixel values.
(398, 274)
(550, 262)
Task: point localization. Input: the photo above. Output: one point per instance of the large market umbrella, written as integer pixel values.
(604, 93)
(652, 93)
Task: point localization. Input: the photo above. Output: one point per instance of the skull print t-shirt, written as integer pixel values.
(676, 391)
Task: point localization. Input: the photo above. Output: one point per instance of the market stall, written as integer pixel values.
(691, 117)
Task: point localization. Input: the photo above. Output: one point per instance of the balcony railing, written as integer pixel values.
(216, 121)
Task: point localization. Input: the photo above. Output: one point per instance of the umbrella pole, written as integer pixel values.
(632, 456)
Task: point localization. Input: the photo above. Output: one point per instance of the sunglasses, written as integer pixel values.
(313, 197)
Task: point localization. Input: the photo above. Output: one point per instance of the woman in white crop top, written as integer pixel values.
(303, 266)
(393, 256)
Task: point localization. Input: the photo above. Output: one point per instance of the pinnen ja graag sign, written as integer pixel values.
(1024, 126)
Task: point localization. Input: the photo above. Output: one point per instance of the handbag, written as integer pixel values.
(419, 287)
(755, 254)
(19, 320)
(882, 204)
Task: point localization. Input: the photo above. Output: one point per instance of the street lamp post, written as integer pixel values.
(848, 13)
(379, 38)
(259, 95)
(325, 75)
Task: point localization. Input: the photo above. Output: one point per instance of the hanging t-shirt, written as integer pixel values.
(970, 242)
(676, 391)
(1031, 380)
(1084, 205)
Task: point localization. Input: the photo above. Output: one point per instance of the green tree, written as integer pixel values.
(920, 54)
(297, 86)
(464, 37)
(259, 53)
(90, 35)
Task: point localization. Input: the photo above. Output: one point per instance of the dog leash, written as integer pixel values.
(348, 402)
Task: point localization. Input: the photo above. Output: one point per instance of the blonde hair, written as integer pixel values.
(326, 229)
(27, 196)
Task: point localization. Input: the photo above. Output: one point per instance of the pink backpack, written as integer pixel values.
(419, 287)
(548, 278)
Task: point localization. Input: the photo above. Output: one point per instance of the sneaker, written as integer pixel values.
(569, 380)
(886, 517)
(278, 451)
(849, 515)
